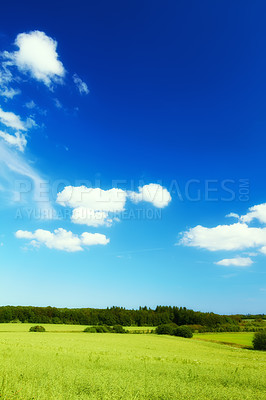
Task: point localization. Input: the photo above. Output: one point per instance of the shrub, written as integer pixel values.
(98, 329)
(104, 329)
(37, 328)
(166, 329)
(118, 329)
(183, 331)
(101, 329)
(259, 341)
(90, 329)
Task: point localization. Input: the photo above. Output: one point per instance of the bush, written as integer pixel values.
(102, 329)
(259, 341)
(37, 328)
(98, 329)
(166, 329)
(90, 329)
(118, 329)
(173, 329)
(183, 331)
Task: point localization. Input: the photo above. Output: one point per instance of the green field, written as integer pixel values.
(62, 328)
(74, 365)
(239, 338)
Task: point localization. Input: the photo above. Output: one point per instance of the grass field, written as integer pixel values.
(243, 339)
(74, 365)
(62, 328)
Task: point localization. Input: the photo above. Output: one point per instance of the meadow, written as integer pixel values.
(241, 339)
(64, 363)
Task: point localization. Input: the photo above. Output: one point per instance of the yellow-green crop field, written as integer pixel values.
(242, 339)
(64, 363)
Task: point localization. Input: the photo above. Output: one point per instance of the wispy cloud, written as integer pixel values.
(81, 86)
(9, 93)
(13, 167)
(18, 140)
(58, 103)
(11, 120)
(236, 262)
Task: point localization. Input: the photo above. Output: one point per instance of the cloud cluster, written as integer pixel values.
(61, 239)
(233, 237)
(238, 236)
(37, 56)
(14, 124)
(94, 206)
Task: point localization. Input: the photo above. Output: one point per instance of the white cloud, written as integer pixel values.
(236, 262)
(111, 200)
(5, 75)
(232, 215)
(251, 254)
(58, 103)
(152, 193)
(24, 235)
(12, 120)
(263, 249)
(19, 140)
(9, 93)
(30, 104)
(256, 212)
(237, 236)
(93, 206)
(86, 216)
(37, 55)
(91, 239)
(30, 123)
(82, 86)
(61, 239)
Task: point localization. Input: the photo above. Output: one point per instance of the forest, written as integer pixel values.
(143, 316)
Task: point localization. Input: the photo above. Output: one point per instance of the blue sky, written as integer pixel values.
(132, 154)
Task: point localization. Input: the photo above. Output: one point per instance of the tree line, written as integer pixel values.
(115, 316)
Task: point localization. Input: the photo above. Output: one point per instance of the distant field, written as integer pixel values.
(48, 327)
(239, 338)
(61, 327)
(74, 365)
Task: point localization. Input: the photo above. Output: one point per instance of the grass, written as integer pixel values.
(242, 339)
(19, 327)
(73, 365)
